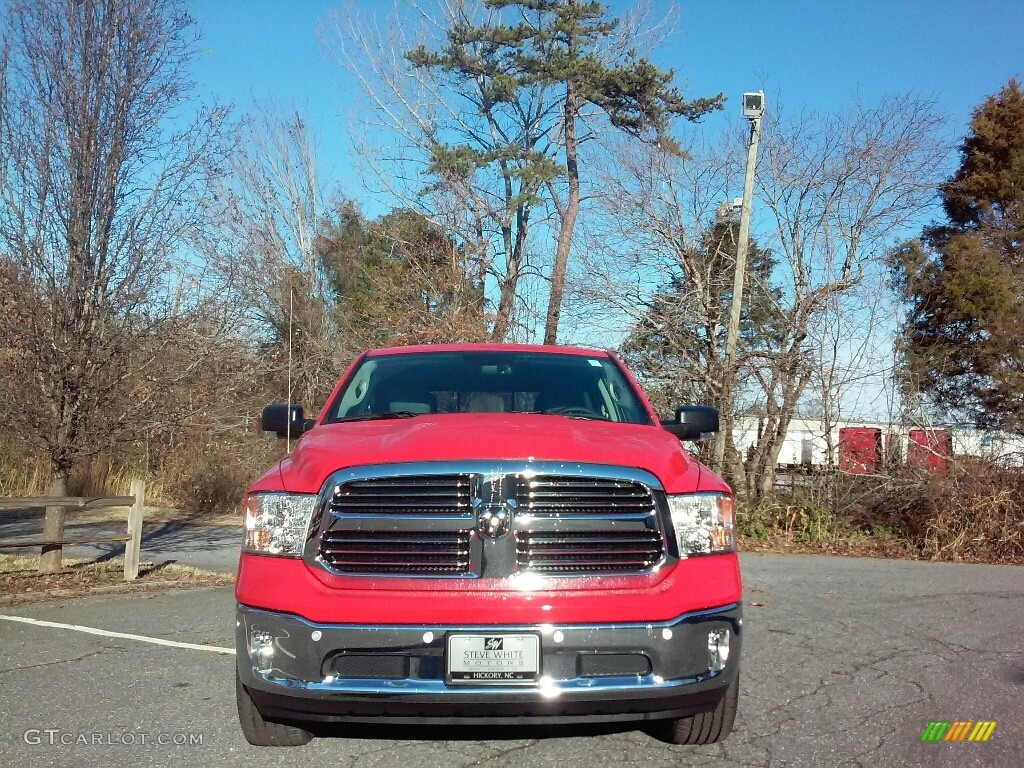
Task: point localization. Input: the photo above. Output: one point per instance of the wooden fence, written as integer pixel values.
(133, 539)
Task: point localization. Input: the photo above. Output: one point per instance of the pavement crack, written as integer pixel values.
(958, 648)
(58, 662)
(500, 753)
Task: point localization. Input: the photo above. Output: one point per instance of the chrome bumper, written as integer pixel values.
(297, 681)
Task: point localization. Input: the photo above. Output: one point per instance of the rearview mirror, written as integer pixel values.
(276, 417)
(693, 422)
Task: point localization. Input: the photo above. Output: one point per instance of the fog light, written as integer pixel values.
(261, 650)
(718, 649)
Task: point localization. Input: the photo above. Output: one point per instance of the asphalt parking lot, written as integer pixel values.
(845, 663)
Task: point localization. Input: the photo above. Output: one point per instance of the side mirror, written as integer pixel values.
(693, 422)
(276, 417)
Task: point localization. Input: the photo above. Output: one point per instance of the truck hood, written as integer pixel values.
(468, 436)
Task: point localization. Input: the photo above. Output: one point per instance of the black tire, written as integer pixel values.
(264, 733)
(704, 727)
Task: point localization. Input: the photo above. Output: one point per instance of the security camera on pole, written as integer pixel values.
(753, 109)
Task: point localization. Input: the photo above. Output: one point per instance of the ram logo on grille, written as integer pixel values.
(494, 504)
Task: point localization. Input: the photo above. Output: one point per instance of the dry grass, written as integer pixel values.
(195, 479)
(974, 513)
(20, 580)
(24, 477)
(30, 476)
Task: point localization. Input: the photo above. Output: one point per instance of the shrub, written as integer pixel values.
(212, 477)
(975, 512)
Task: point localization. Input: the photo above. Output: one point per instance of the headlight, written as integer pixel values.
(703, 523)
(276, 523)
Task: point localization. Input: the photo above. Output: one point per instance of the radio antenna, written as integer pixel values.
(288, 428)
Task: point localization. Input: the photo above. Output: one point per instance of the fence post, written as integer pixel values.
(133, 547)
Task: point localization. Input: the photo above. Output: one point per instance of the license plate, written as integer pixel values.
(493, 659)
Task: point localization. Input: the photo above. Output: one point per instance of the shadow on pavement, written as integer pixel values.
(405, 732)
(183, 541)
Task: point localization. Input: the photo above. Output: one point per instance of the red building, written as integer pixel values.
(930, 449)
(860, 450)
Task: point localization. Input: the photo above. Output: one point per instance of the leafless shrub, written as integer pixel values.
(973, 512)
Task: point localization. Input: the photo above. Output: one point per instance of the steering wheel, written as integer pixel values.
(574, 410)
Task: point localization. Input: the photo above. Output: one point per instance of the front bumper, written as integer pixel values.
(298, 681)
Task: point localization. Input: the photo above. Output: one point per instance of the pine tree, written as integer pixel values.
(398, 279)
(555, 44)
(677, 346)
(964, 336)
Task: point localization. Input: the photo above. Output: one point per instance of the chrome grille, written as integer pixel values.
(589, 552)
(554, 495)
(410, 520)
(438, 553)
(415, 495)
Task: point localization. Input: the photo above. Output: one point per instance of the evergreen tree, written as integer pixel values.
(964, 336)
(677, 347)
(553, 45)
(398, 279)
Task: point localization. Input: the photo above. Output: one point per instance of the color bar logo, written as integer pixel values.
(958, 730)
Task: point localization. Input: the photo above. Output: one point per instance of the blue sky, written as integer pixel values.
(821, 53)
(815, 54)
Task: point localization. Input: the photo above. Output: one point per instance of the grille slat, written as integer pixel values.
(400, 552)
(400, 507)
(562, 496)
(551, 551)
(420, 495)
(580, 509)
(399, 540)
(578, 552)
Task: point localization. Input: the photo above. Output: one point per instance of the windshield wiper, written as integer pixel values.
(377, 416)
(580, 416)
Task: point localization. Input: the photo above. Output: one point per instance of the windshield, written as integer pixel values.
(411, 384)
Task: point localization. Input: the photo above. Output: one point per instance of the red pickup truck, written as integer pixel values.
(488, 534)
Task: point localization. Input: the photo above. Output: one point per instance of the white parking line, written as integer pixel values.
(124, 635)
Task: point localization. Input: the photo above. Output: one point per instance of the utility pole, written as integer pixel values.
(753, 110)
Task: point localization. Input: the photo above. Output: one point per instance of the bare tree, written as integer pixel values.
(660, 259)
(839, 190)
(849, 355)
(836, 192)
(265, 213)
(99, 178)
(654, 207)
(452, 151)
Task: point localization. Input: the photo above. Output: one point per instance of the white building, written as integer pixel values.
(806, 444)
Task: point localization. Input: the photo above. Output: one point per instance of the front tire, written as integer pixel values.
(264, 733)
(704, 727)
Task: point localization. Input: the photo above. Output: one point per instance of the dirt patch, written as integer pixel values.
(20, 580)
(889, 547)
(860, 547)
